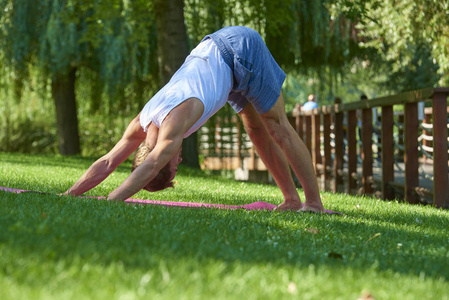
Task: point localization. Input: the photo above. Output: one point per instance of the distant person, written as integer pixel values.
(231, 65)
(310, 104)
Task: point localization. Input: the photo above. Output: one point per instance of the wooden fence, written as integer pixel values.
(394, 134)
(316, 128)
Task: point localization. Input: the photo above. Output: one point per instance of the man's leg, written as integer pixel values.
(298, 156)
(272, 156)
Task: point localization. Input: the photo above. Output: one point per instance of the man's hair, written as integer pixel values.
(162, 180)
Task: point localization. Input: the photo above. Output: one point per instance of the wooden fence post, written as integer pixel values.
(316, 140)
(338, 158)
(308, 132)
(352, 149)
(378, 131)
(440, 148)
(401, 134)
(411, 152)
(239, 143)
(367, 151)
(298, 125)
(327, 147)
(387, 152)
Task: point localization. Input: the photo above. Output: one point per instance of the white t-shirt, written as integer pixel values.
(204, 75)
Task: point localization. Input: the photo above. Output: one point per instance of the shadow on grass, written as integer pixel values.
(140, 236)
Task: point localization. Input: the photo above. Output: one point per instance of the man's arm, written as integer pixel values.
(169, 141)
(100, 170)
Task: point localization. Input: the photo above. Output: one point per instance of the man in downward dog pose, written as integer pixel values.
(231, 65)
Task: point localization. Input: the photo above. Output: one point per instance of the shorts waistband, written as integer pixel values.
(224, 48)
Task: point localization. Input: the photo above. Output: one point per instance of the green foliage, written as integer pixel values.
(21, 28)
(420, 72)
(407, 29)
(26, 126)
(27, 135)
(74, 248)
(99, 134)
(59, 43)
(202, 18)
(304, 29)
(115, 39)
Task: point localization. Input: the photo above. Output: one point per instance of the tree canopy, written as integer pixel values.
(412, 36)
(113, 42)
(114, 38)
(102, 56)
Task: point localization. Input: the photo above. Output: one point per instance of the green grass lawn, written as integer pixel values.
(55, 247)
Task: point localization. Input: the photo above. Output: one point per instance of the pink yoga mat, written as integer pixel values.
(260, 205)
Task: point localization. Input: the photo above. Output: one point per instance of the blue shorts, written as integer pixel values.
(257, 77)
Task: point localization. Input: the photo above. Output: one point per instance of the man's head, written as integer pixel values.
(164, 179)
(311, 97)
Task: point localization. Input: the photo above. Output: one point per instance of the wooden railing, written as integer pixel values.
(224, 145)
(316, 128)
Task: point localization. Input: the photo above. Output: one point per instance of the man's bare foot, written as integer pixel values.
(315, 208)
(289, 205)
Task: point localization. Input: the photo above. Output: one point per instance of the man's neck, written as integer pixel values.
(152, 133)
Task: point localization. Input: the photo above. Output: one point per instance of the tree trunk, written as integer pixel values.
(172, 51)
(63, 91)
